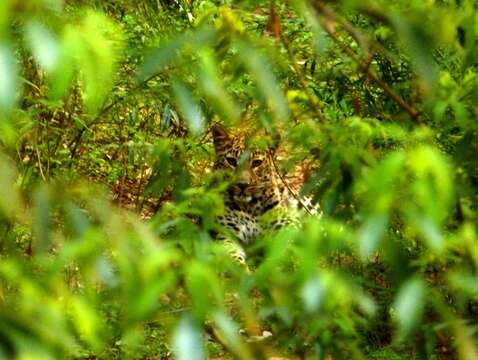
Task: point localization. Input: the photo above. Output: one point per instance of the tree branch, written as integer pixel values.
(325, 13)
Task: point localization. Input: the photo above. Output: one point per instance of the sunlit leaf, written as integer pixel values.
(409, 305)
(5, 9)
(312, 294)
(97, 60)
(189, 108)
(60, 79)
(188, 342)
(371, 233)
(430, 231)
(44, 45)
(86, 321)
(8, 79)
(433, 187)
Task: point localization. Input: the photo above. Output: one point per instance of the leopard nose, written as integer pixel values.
(242, 185)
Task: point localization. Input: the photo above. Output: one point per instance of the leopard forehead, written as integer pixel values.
(235, 155)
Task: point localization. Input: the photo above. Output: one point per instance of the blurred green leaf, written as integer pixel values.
(189, 108)
(8, 79)
(433, 186)
(464, 281)
(419, 43)
(145, 301)
(213, 88)
(10, 201)
(371, 233)
(229, 331)
(204, 287)
(77, 220)
(86, 321)
(187, 341)
(378, 183)
(430, 232)
(61, 77)
(5, 13)
(44, 45)
(409, 306)
(312, 294)
(270, 91)
(43, 225)
(97, 59)
(168, 52)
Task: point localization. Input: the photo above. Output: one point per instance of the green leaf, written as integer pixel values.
(169, 52)
(161, 57)
(266, 81)
(5, 13)
(97, 58)
(62, 75)
(203, 286)
(433, 186)
(188, 107)
(229, 332)
(371, 233)
(42, 222)
(376, 188)
(419, 44)
(86, 321)
(312, 294)
(43, 44)
(213, 88)
(91, 47)
(77, 220)
(409, 305)
(430, 231)
(188, 341)
(8, 79)
(10, 201)
(463, 281)
(145, 301)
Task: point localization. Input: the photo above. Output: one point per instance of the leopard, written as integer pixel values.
(259, 199)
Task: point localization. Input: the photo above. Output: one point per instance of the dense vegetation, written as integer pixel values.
(108, 200)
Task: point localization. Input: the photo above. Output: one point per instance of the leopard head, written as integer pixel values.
(255, 184)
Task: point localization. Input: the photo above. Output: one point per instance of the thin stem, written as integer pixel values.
(310, 97)
(363, 65)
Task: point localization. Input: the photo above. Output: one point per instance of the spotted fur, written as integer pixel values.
(258, 198)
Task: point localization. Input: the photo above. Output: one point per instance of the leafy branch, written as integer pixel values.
(327, 18)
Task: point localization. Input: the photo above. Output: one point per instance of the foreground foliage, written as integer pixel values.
(108, 203)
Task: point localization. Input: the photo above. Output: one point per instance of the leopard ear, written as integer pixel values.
(220, 136)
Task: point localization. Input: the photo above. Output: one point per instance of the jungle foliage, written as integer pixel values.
(108, 201)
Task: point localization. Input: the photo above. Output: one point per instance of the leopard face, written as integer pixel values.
(255, 185)
(258, 199)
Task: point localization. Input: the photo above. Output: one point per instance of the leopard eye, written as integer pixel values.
(231, 161)
(256, 163)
